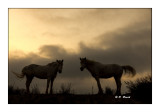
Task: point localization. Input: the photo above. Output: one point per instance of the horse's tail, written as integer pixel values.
(129, 69)
(18, 75)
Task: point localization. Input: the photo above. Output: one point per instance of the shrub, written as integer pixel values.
(141, 89)
(109, 91)
(35, 89)
(16, 91)
(66, 89)
(12, 90)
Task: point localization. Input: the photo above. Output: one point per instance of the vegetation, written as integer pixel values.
(12, 90)
(141, 89)
(35, 90)
(109, 91)
(15, 91)
(66, 89)
(140, 92)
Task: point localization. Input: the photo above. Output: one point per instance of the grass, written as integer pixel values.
(140, 92)
(15, 91)
(12, 90)
(35, 89)
(66, 89)
(141, 89)
(109, 91)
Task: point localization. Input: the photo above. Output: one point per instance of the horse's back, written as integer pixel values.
(40, 71)
(28, 70)
(110, 70)
(114, 68)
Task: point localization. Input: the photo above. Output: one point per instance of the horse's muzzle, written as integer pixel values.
(81, 69)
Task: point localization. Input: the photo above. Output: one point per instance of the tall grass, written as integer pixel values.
(13, 90)
(109, 91)
(35, 89)
(66, 89)
(141, 89)
(17, 91)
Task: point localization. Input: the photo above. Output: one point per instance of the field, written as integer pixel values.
(140, 92)
(69, 99)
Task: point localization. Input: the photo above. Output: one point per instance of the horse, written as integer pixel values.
(99, 70)
(48, 72)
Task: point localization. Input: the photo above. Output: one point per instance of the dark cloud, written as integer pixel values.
(53, 51)
(131, 45)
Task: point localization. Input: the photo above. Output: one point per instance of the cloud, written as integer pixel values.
(52, 51)
(130, 45)
(88, 22)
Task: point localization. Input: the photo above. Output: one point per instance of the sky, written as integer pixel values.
(109, 36)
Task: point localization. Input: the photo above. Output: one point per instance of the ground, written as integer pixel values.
(72, 99)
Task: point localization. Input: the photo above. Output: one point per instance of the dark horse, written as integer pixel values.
(48, 72)
(99, 70)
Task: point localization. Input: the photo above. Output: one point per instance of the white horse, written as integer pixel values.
(48, 72)
(99, 70)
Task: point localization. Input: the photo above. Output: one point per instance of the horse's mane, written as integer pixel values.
(52, 64)
(91, 62)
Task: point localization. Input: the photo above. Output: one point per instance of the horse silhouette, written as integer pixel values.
(48, 72)
(99, 70)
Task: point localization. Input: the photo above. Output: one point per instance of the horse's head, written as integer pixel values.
(60, 65)
(83, 63)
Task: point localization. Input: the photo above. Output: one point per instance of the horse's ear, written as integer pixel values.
(57, 61)
(62, 60)
(80, 58)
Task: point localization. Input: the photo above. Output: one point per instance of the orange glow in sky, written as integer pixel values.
(29, 29)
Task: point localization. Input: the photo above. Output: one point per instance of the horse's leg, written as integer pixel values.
(48, 81)
(99, 86)
(28, 82)
(118, 83)
(51, 91)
